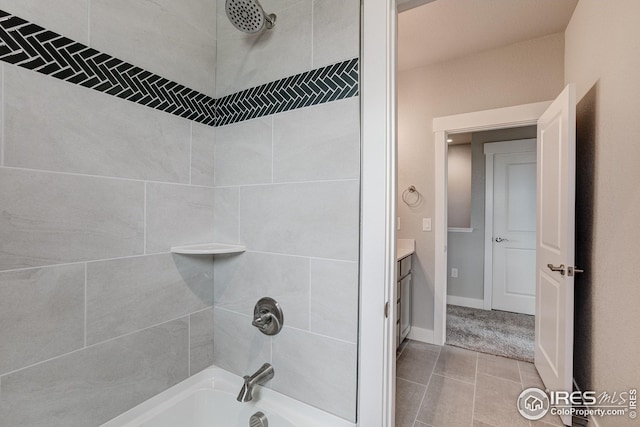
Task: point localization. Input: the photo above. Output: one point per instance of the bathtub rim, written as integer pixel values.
(215, 378)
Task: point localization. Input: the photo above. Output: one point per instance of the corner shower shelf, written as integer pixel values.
(208, 249)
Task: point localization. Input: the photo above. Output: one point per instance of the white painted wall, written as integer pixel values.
(521, 73)
(602, 57)
(459, 185)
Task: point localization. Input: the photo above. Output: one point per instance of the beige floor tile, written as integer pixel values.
(448, 402)
(477, 423)
(408, 399)
(495, 402)
(548, 421)
(498, 367)
(457, 363)
(529, 376)
(416, 362)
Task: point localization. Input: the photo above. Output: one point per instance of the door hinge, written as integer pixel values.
(386, 310)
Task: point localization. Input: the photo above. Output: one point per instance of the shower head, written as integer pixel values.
(248, 16)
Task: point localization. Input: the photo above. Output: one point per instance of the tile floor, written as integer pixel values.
(453, 387)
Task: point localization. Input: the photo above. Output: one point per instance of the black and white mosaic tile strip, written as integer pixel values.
(337, 81)
(30, 46)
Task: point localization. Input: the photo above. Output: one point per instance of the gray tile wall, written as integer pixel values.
(308, 34)
(96, 314)
(287, 187)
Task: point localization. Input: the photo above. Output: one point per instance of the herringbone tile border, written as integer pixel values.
(30, 46)
(337, 81)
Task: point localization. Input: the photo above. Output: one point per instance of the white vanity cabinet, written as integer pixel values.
(403, 292)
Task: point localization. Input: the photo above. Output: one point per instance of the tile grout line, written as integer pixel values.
(144, 221)
(521, 380)
(475, 387)
(265, 184)
(239, 218)
(303, 256)
(289, 327)
(139, 180)
(3, 106)
(273, 125)
(89, 23)
(92, 345)
(190, 152)
(188, 345)
(313, 22)
(426, 388)
(85, 304)
(309, 287)
(500, 378)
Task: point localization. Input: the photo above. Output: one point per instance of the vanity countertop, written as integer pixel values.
(405, 247)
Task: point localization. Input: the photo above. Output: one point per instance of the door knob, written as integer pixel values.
(559, 268)
(500, 239)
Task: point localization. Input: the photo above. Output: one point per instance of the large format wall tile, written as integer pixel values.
(91, 386)
(317, 370)
(178, 215)
(68, 17)
(246, 61)
(41, 313)
(175, 39)
(200, 340)
(336, 31)
(241, 280)
(227, 214)
(239, 347)
(334, 299)
(203, 146)
(55, 218)
(127, 294)
(244, 153)
(312, 219)
(54, 125)
(316, 143)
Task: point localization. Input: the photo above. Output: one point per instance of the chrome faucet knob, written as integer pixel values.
(268, 316)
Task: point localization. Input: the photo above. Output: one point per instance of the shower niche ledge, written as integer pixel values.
(208, 249)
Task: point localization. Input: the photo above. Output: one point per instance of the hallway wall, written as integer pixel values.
(521, 73)
(602, 56)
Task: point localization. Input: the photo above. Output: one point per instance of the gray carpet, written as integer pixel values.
(494, 332)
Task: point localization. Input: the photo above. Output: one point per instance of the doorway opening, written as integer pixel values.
(517, 117)
(491, 205)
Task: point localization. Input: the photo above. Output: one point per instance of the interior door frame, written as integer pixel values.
(500, 118)
(376, 338)
(490, 150)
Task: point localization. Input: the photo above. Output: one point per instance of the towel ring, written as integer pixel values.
(411, 196)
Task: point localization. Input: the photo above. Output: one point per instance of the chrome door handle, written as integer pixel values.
(500, 239)
(559, 268)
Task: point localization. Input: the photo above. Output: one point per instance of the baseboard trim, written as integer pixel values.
(420, 334)
(465, 302)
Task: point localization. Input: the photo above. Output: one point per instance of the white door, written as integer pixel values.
(514, 228)
(555, 243)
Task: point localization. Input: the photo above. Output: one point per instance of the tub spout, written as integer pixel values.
(262, 375)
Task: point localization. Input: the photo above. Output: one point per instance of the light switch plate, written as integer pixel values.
(426, 224)
(454, 272)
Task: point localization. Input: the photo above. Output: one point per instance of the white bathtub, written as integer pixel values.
(208, 399)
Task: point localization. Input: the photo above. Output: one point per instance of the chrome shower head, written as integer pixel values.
(248, 16)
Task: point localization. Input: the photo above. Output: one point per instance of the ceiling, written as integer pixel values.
(459, 138)
(442, 30)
